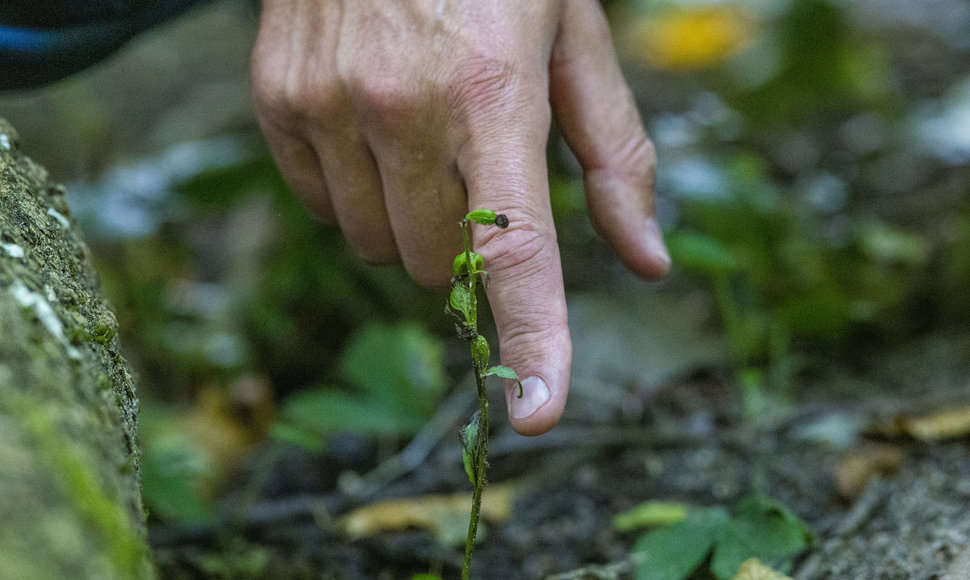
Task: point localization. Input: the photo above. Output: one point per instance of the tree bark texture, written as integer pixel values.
(70, 498)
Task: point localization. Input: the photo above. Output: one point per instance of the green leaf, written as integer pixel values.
(700, 253)
(761, 528)
(885, 243)
(399, 365)
(397, 377)
(825, 314)
(173, 470)
(505, 373)
(485, 217)
(673, 552)
(312, 415)
(170, 478)
(470, 438)
(460, 300)
(292, 434)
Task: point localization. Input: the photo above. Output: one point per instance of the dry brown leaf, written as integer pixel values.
(446, 516)
(227, 423)
(858, 468)
(753, 569)
(936, 426)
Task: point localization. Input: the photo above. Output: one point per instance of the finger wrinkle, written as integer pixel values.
(483, 81)
(535, 339)
(514, 247)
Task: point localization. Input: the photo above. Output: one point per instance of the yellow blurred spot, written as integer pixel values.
(689, 38)
(753, 569)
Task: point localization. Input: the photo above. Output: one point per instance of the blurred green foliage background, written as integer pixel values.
(813, 185)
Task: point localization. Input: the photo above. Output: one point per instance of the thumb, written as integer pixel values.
(508, 174)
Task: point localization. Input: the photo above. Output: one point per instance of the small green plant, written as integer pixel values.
(463, 306)
(396, 397)
(783, 290)
(758, 527)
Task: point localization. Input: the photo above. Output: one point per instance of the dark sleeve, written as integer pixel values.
(42, 41)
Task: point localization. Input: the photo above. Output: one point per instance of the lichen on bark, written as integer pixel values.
(69, 473)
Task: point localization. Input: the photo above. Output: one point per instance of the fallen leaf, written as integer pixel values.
(858, 468)
(936, 426)
(650, 513)
(227, 423)
(445, 516)
(222, 427)
(753, 569)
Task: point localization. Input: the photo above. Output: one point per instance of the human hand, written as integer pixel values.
(393, 118)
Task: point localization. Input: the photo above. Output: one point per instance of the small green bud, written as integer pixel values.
(461, 265)
(485, 217)
(480, 351)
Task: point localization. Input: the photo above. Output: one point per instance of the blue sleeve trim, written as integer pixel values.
(31, 57)
(20, 40)
(30, 43)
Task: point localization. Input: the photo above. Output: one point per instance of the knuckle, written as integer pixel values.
(646, 149)
(290, 100)
(268, 89)
(519, 248)
(394, 102)
(484, 77)
(497, 100)
(636, 159)
(485, 82)
(382, 91)
(644, 158)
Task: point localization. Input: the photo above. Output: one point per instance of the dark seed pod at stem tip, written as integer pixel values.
(502, 221)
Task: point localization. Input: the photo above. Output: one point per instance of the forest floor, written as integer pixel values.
(875, 459)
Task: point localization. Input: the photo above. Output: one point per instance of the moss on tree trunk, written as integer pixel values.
(70, 502)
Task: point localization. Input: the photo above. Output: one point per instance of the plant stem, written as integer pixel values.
(482, 452)
(479, 472)
(472, 283)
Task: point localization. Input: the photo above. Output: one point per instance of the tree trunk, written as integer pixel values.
(70, 501)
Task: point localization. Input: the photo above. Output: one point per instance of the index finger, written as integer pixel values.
(504, 167)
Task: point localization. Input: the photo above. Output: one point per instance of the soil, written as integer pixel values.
(684, 441)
